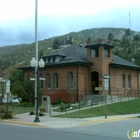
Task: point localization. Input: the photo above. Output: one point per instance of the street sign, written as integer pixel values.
(105, 84)
(105, 76)
(98, 88)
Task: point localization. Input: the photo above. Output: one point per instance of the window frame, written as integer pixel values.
(48, 81)
(70, 80)
(55, 78)
(123, 81)
(129, 82)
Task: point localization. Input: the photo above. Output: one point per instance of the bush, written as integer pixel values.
(26, 104)
(58, 101)
(68, 105)
(62, 106)
(2, 109)
(31, 112)
(4, 114)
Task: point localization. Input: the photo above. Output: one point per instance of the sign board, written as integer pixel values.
(106, 84)
(105, 76)
(42, 78)
(7, 86)
(98, 88)
(7, 89)
(32, 79)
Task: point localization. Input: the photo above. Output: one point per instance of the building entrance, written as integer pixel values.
(94, 82)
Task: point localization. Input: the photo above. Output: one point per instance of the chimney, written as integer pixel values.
(109, 42)
(101, 41)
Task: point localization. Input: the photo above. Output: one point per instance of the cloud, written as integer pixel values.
(17, 22)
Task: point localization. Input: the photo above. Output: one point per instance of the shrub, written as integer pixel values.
(4, 114)
(26, 104)
(68, 105)
(58, 101)
(62, 106)
(31, 112)
(2, 109)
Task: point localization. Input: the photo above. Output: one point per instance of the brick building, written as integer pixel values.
(78, 70)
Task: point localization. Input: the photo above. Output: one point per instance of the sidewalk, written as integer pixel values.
(55, 122)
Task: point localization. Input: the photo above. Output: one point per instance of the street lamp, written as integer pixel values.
(36, 64)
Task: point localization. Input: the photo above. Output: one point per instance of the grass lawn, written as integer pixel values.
(20, 110)
(127, 107)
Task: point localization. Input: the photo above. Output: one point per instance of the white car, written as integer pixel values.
(11, 100)
(15, 101)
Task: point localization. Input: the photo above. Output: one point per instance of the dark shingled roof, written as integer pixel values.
(120, 62)
(73, 54)
(77, 55)
(98, 42)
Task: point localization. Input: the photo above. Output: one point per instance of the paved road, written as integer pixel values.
(99, 131)
(109, 130)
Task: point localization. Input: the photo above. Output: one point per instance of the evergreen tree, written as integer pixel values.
(137, 37)
(110, 36)
(56, 44)
(127, 32)
(88, 41)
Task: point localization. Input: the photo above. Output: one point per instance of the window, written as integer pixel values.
(41, 81)
(106, 51)
(28, 78)
(70, 80)
(123, 81)
(55, 81)
(129, 81)
(94, 53)
(54, 59)
(48, 81)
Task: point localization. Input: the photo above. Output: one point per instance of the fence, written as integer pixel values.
(88, 99)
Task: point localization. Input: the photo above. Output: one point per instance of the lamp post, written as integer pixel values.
(36, 64)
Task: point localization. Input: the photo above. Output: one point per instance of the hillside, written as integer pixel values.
(22, 53)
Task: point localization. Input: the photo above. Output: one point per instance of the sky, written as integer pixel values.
(59, 17)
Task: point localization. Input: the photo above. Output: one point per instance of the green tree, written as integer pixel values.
(15, 77)
(56, 44)
(110, 36)
(88, 41)
(137, 37)
(127, 32)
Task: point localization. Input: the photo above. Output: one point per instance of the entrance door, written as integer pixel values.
(94, 82)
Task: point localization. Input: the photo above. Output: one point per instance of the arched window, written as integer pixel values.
(129, 81)
(55, 81)
(48, 85)
(41, 81)
(123, 81)
(70, 80)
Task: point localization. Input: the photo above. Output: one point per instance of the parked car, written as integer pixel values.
(15, 101)
(12, 100)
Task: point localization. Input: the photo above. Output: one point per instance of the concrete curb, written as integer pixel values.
(22, 123)
(105, 120)
(64, 126)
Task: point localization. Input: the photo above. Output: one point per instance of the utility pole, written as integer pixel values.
(130, 36)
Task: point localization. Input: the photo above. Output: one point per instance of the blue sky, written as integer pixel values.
(58, 17)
